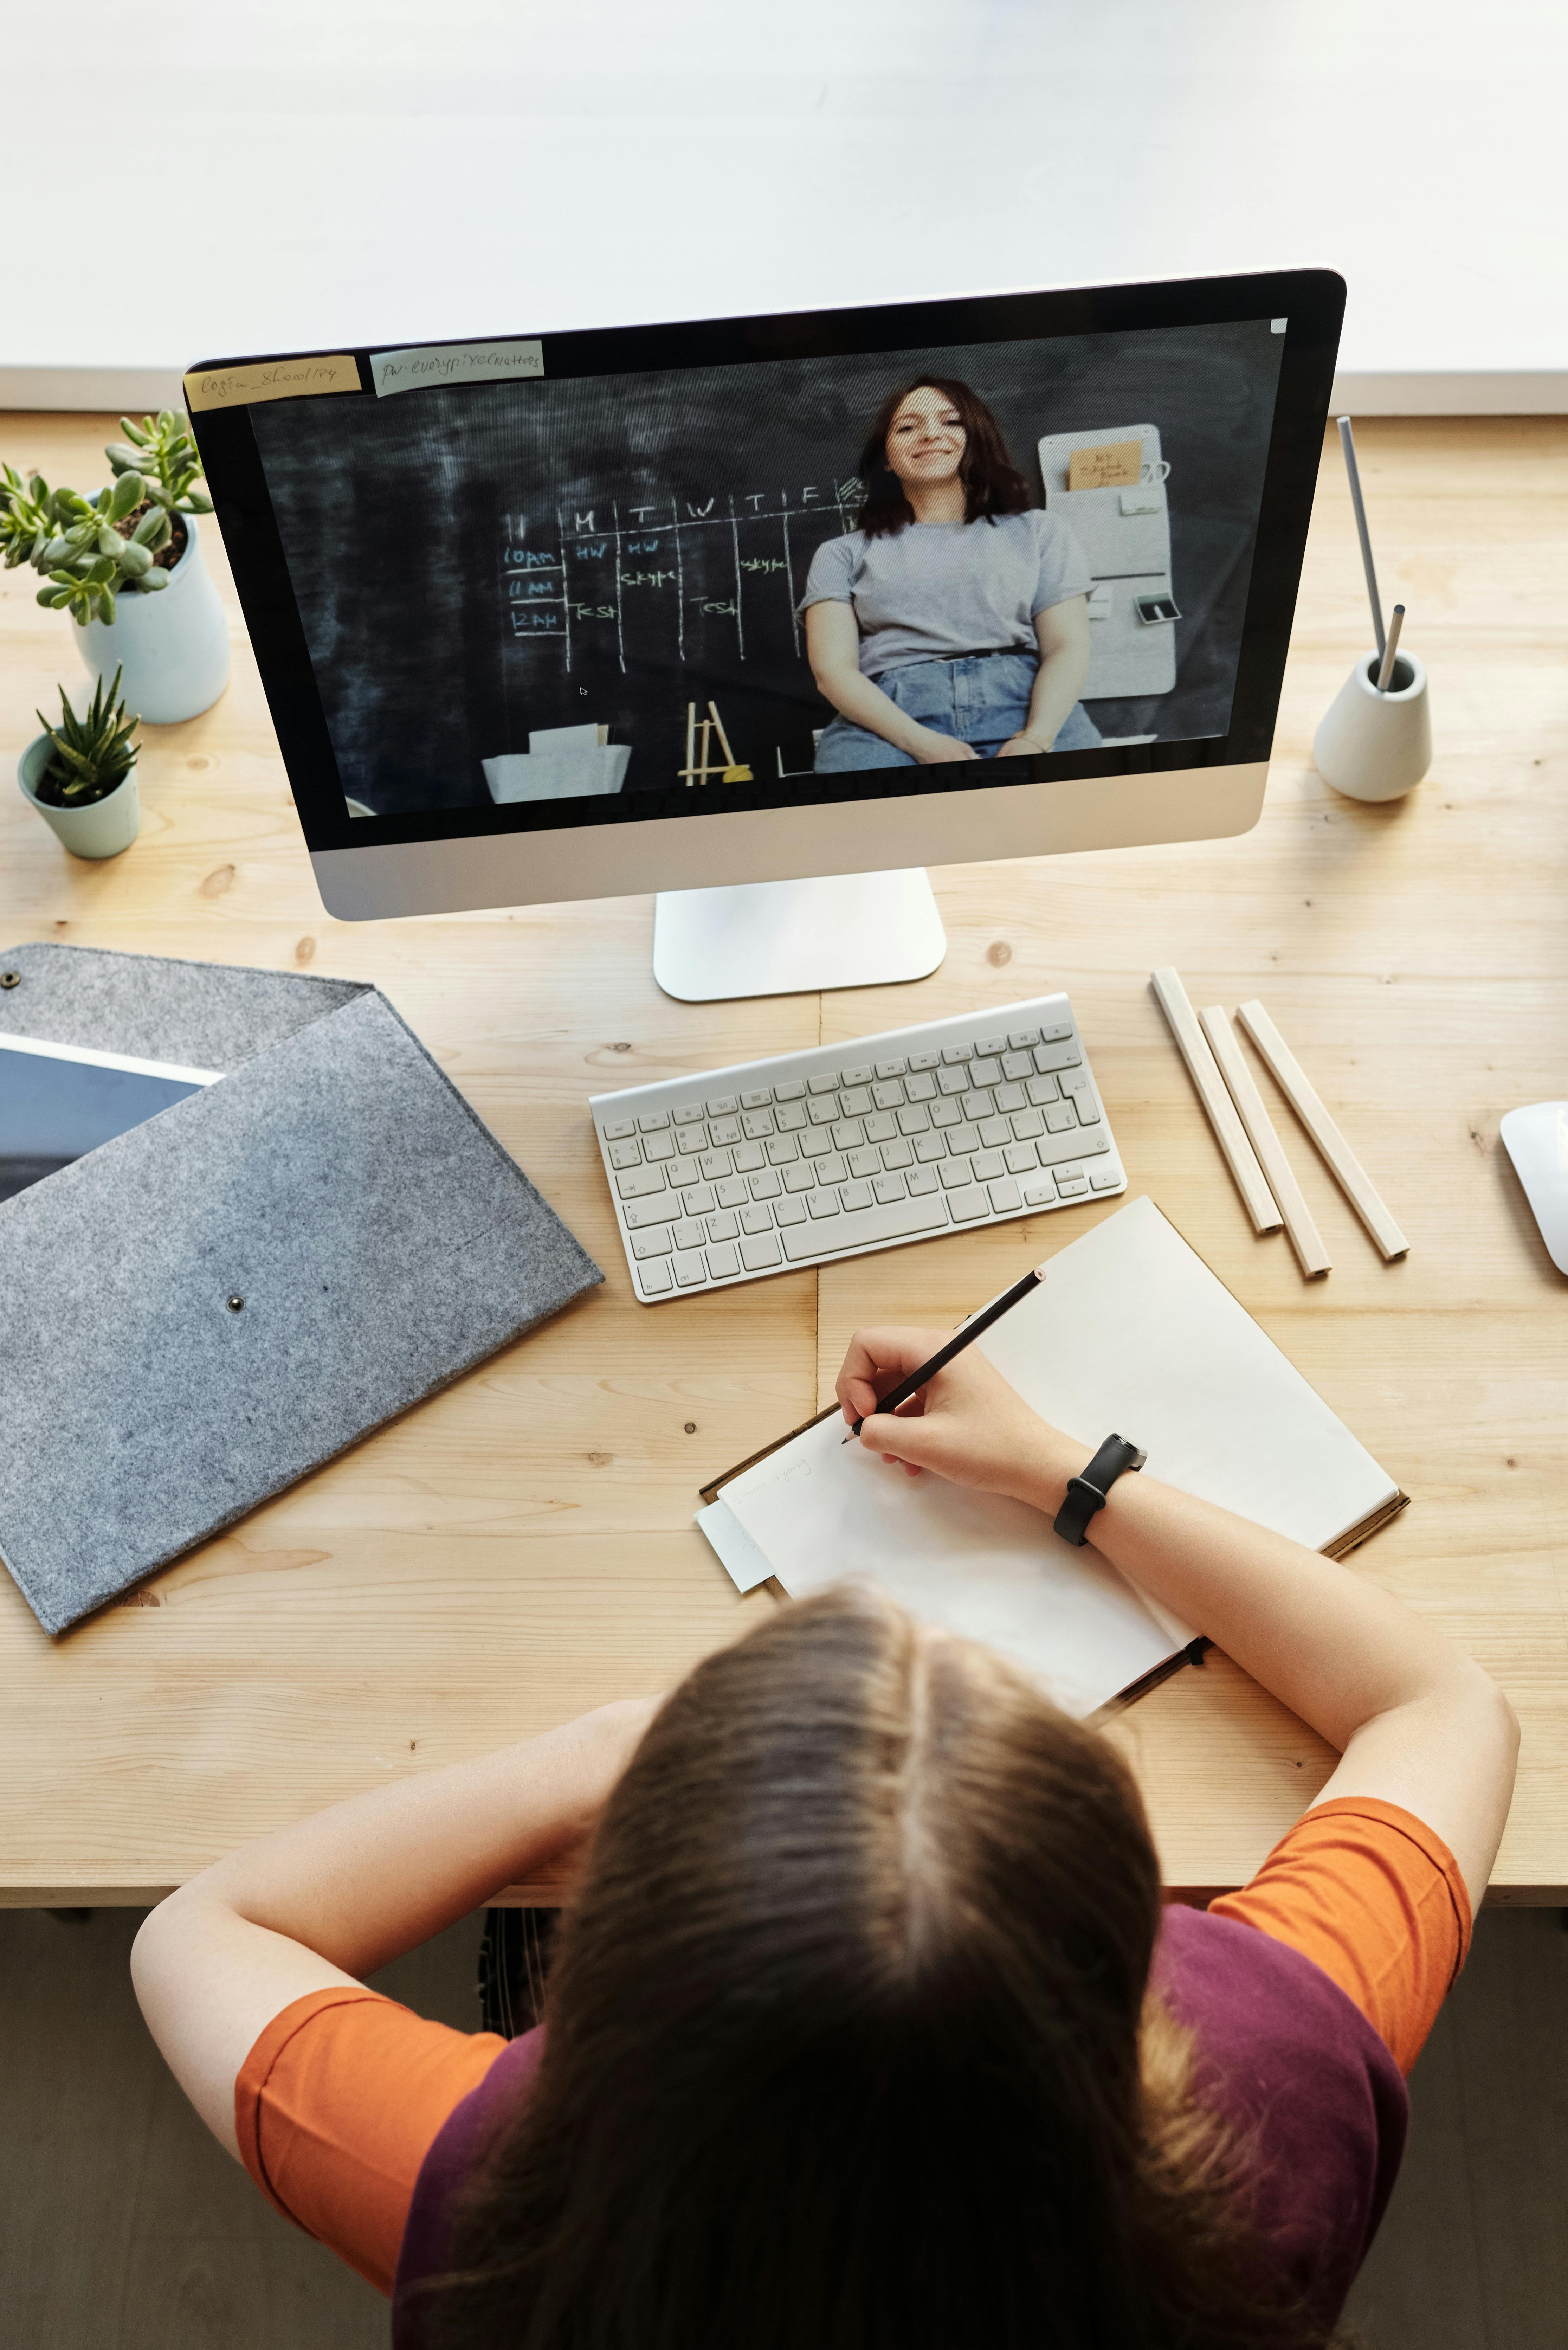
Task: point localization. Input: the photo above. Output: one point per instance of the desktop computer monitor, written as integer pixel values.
(719, 608)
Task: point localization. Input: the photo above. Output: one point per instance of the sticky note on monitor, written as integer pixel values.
(1105, 466)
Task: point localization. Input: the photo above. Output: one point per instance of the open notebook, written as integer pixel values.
(1130, 1331)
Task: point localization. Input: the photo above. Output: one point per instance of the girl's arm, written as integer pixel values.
(1416, 1721)
(1062, 634)
(833, 648)
(331, 1899)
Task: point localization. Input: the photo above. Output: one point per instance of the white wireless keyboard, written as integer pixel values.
(733, 1174)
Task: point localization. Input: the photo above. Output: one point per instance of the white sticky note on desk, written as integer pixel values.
(428, 366)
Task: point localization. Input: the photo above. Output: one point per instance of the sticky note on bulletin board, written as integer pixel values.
(1105, 466)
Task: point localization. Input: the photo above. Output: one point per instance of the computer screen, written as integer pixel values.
(670, 572)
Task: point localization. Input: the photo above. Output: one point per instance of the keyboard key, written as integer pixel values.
(654, 1243)
(1009, 1097)
(823, 1108)
(1057, 1056)
(922, 1182)
(962, 1139)
(658, 1148)
(699, 1199)
(1020, 1158)
(756, 1220)
(691, 1130)
(821, 1084)
(855, 1100)
(987, 1165)
(847, 1133)
(1055, 1036)
(977, 1103)
(1061, 1150)
(758, 1100)
(924, 1060)
(995, 1133)
(640, 1183)
(682, 1171)
(816, 1142)
(716, 1163)
(723, 1106)
(869, 1227)
(1096, 1140)
(783, 1150)
(831, 1170)
(790, 1117)
(892, 1068)
(989, 1044)
(945, 1114)
(1088, 1110)
(766, 1186)
(954, 1055)
(1074, 1081)
(953, 1080)
(1018, 1065)
(1042, 1090)
(897, 1154)
(988, 1071)
(1005, 1197)
(652, 1211)
(955, 1174)
(616, 1129)
(756, 1255)
(1068, 1172)
(756, 1123)
(749, 1157)
(653, 1120)
(1040, 1193)
(790, 1090)
(822, 1203)
(914, 1119)
(790, 1211)
(1020, 1039)
(865, 1162)
(689, 1268)
(799, 1178)
(928, 1147)
(626, 1154)
(860, 1076)
(1106, 1180)
(722, 1227)
(889, 1188)
(1074, 1188)
(920, 1087)
(723, 1131)
(724, 1263)
(880, 1128)
(969, 1203)
(732, 1192)
(690, 1232)
(854, 1195)
(653, 1280)
(1026, 1125)
(888, 1093)
(1060, 1116)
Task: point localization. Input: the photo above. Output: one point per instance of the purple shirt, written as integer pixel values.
(1288, 2059)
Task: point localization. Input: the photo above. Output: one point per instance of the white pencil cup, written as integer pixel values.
(1372, 746)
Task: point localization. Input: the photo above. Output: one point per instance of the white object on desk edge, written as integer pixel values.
(1299, 1091)
(1304, 1236)
(1228, 1131)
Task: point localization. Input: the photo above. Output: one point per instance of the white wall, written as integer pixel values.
(259, 175)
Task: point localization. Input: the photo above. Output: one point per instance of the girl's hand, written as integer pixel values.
(932, 749)
(966, 1424)
(1022, 746)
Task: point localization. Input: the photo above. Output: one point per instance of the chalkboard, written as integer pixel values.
(474, 563)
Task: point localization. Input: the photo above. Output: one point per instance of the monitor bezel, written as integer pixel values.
(1311, 302)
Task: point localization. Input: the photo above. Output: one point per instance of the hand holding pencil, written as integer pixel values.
(964, 1422)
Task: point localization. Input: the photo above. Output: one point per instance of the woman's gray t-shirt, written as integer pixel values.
(937, 589)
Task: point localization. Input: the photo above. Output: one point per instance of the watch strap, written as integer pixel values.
(1087, 1492)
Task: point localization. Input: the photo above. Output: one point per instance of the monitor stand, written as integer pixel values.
(784, 938)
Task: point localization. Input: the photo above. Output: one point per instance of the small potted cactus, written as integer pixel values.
(80, 775)
(126, 564)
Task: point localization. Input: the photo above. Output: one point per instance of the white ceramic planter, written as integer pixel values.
(174, 645)
(1372, 746)
(102, 829)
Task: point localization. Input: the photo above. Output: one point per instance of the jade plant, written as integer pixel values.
(88, 550)
(92, 755)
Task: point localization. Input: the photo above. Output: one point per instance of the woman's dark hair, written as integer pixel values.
(848, 2044)
(992, 484)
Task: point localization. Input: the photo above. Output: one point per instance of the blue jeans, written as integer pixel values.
(983, 700)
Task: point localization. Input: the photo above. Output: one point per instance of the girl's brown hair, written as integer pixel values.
(992, 484)
(848, 2044)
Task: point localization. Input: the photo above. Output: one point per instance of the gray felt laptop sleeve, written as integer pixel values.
(380, 1239)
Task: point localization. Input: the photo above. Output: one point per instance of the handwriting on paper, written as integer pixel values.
(429, 366)
(259, 379)
(1105, 466)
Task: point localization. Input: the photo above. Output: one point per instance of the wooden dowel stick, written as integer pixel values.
(1304, 1236)
(723, 738)
(691, 742)
(1298, 1090)
(1240, 1155)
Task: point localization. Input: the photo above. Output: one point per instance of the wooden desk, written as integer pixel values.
(521, 1547)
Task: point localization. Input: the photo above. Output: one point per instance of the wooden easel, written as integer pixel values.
(704, 770)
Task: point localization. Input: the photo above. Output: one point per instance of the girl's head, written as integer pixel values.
(932, 432)
(843, 2042)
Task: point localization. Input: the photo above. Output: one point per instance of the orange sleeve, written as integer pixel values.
(337, 2106)
(1374, 1898)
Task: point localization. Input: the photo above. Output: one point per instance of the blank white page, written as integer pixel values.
(1129, 1331)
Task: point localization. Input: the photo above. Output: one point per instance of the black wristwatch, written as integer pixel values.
(1086, 1494)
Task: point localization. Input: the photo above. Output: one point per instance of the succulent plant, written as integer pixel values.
(78, 544)
(92, 755)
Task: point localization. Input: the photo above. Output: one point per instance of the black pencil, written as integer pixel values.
(955, 1346)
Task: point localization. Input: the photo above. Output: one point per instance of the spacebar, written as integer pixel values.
(869, 1225)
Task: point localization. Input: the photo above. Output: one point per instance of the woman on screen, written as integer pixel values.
(953, 623)
(867, 2028)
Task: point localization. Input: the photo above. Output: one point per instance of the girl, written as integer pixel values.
(954, 622)
(866, 2031)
